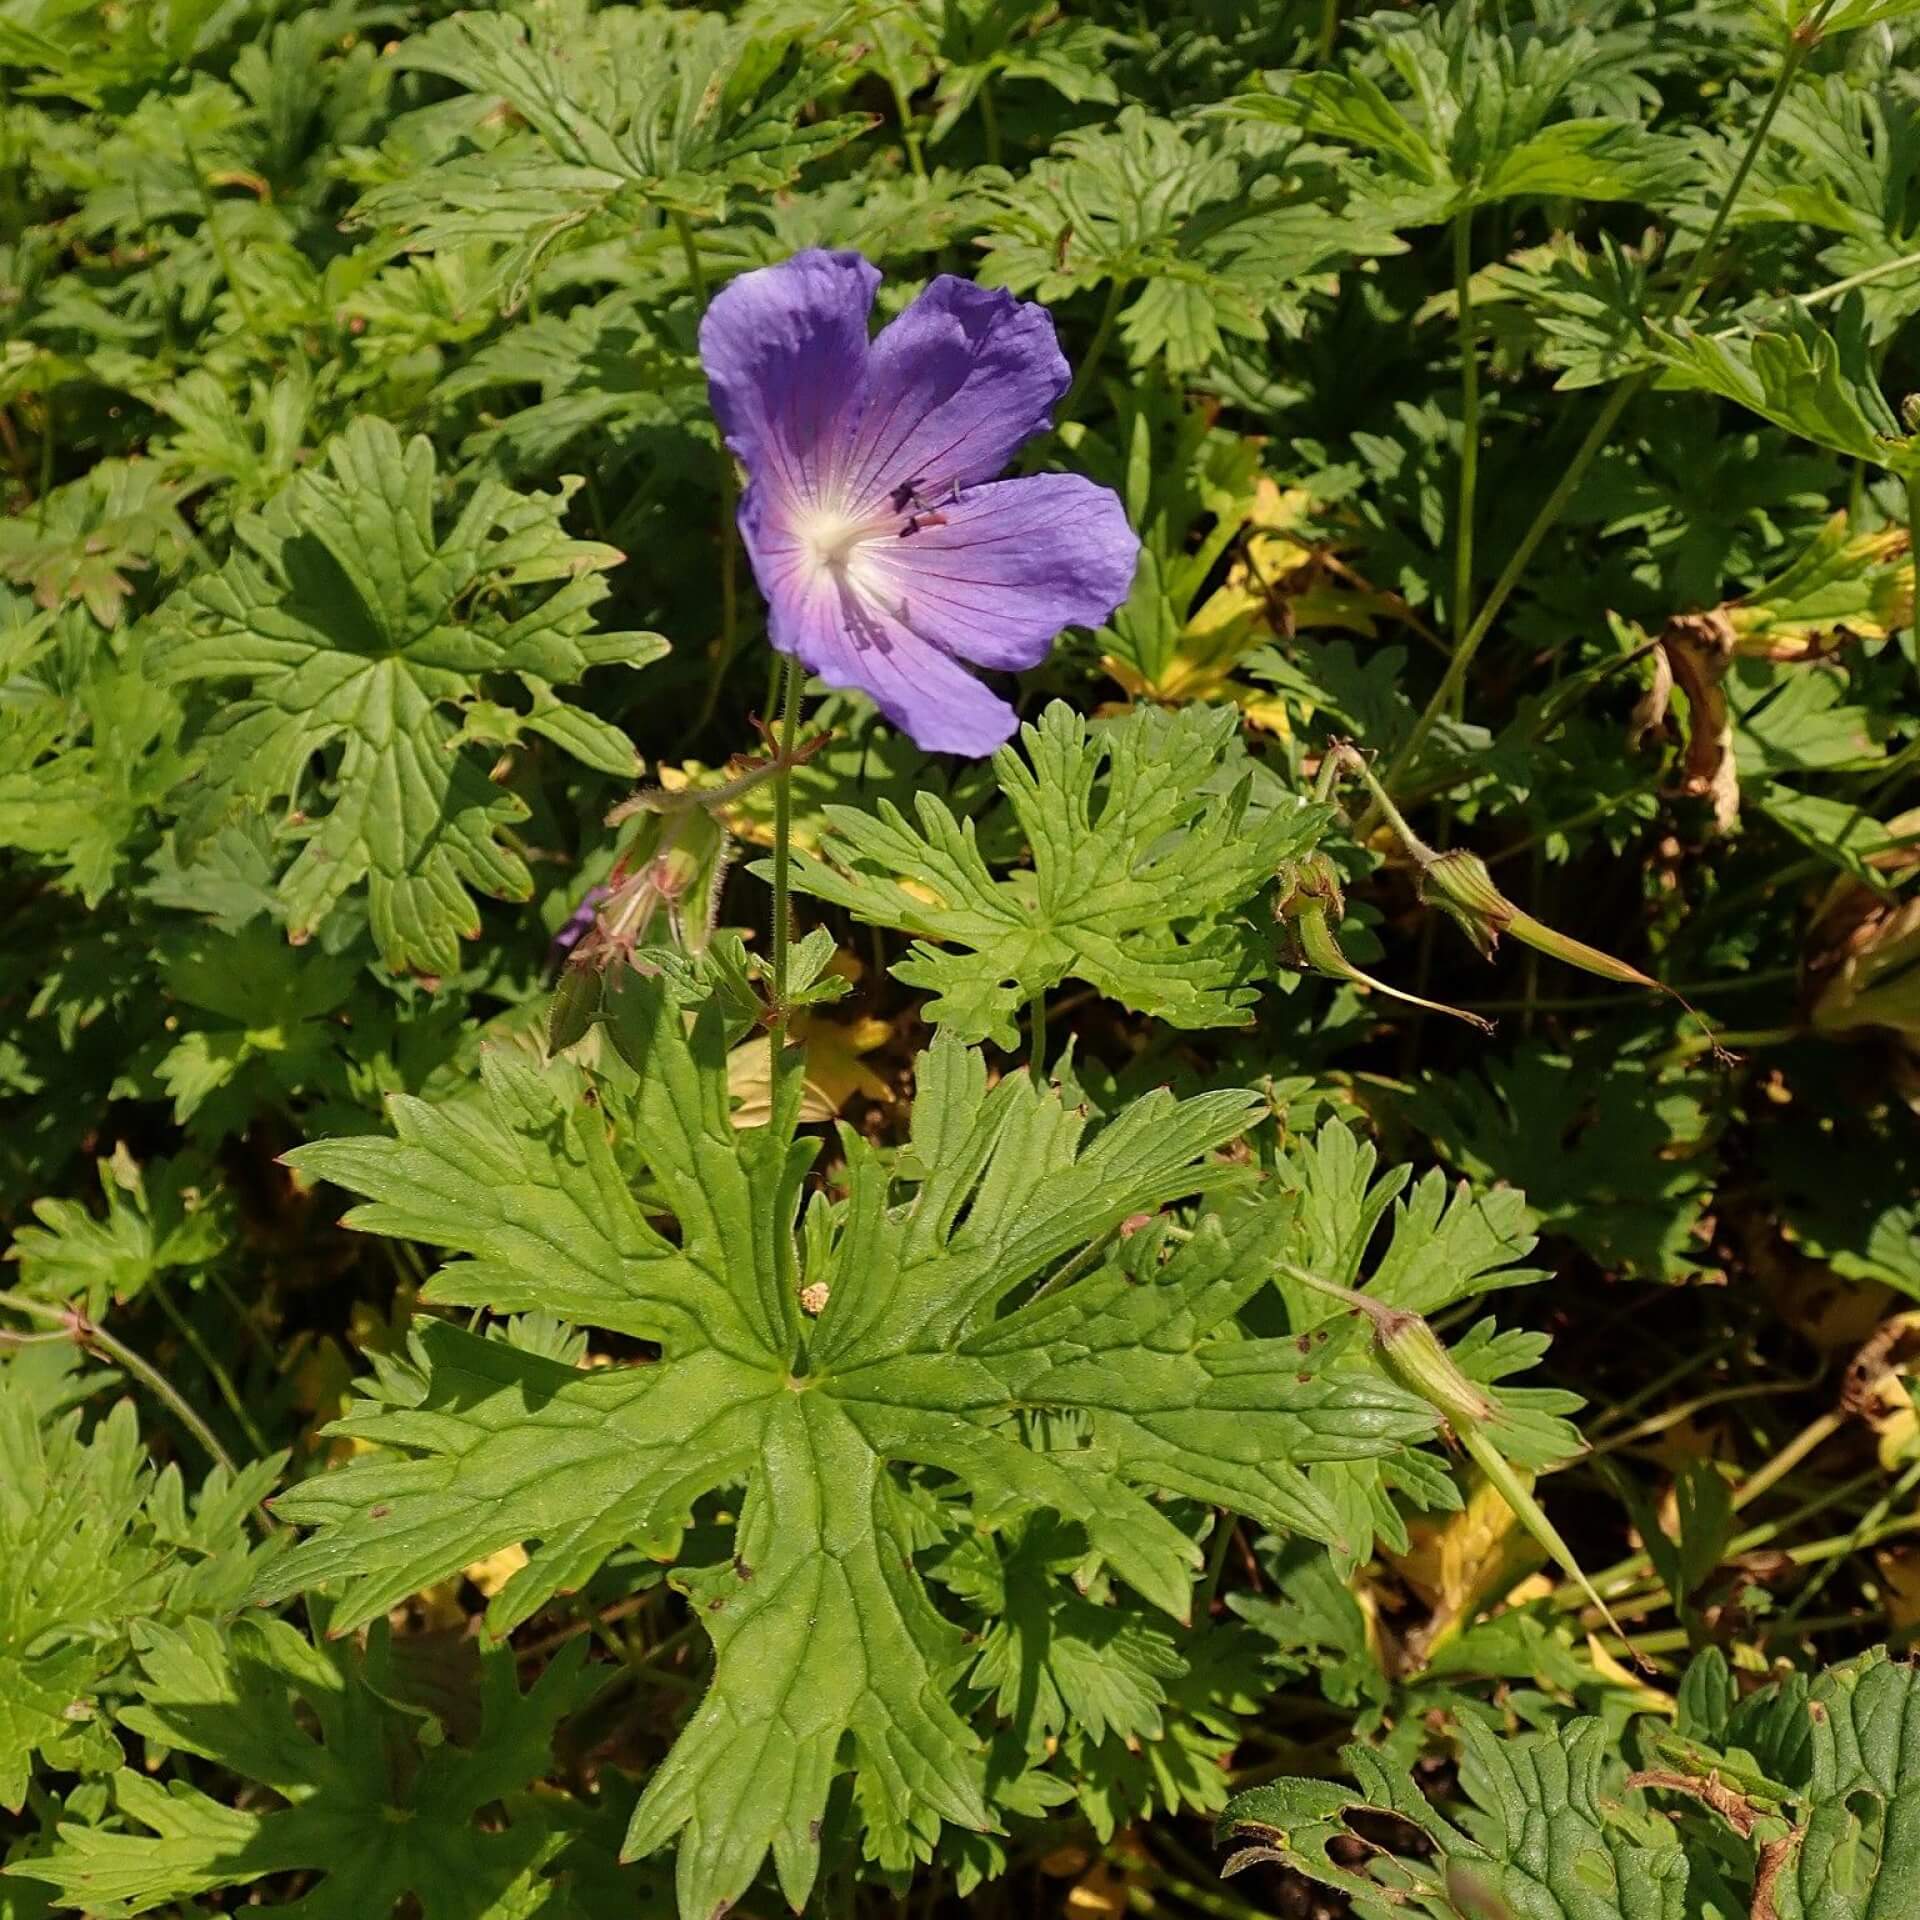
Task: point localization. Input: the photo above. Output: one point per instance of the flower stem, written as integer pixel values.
(1329, 32)
(729, 637)
(1604, 423)
(990, 122)
(88, 1333)
(696, 269)
(1469, 423)
(782, 840)
(216, 1372)
(909, 133)
(1090, 360)
(1913, 546)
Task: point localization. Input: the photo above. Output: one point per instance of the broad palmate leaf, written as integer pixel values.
(356, 620)
(1143, 846)
(94, 1541)
(1825, 1794)
(622, 109)
(1553, 1837)
(376, 1797)
(820, 1622)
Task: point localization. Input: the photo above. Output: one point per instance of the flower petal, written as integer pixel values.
(1011, 566)
(955, 386)
(785, 349)
(849, 642)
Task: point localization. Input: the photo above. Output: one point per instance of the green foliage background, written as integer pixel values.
(954, 1457)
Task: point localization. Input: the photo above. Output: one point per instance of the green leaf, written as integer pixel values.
(1552, 1837)
(1793, 371)
(83, 768)
(901, 1353)
(1052, 1658)
(379, 1797)
(1474, 123)
(84, 539)
(1144, 844)
(628, 107)
(96, 1544)
(1222, 239)
(1604, 1151)
(1815, 1775)
(1443, 1248)
(354, 618)
(158, 1220)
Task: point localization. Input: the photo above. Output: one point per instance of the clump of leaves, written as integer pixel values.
(888, 1340)
(1144, 838)
(354, 620)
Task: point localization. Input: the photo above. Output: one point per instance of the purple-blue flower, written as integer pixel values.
(891, 558)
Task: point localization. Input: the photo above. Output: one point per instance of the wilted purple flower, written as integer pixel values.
(888, 561)
(579, 924)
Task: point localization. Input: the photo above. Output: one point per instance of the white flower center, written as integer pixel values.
(833, 537)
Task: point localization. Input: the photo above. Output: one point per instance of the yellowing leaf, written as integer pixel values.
(1877, 1389)
(494, 1570)
(1649, 1699)
(1280, 584)
(1460, 1562)
(836, 1071)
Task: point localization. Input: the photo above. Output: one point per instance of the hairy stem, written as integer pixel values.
(216, 1370)
(1604, 423)
(88, 1333)
(1469, 424)
(782, 843)
(1090, 360)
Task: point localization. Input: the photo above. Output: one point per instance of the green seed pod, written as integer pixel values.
(1459, 884)
(1310, 904)
(1416, 1359)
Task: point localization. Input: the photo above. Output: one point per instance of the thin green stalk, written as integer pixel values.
(1586, 817)
(1816, 1433)
(216, 1371)
(909, 133)
(1913, 545)
(696, 268)
(1329, 32)
(1712, 1041)
(1223, 1523)
(1836, 289)
(990, 122)
(1454, 678)
(1692, 1361)
(1695, 278)
(1637, 1566)
(1088, 1257)
(210, 207)
(1603, 425)
(782, 847)
(1090, 360)
(89, 1333)
(1863, 1529)
(48, 438)
(1469, 423)
(1685, 1410)
(729, 639)
(1037, 1036)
